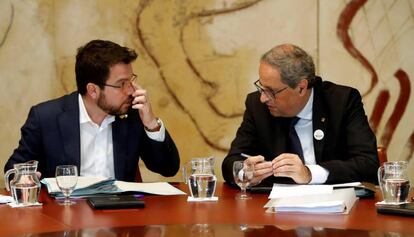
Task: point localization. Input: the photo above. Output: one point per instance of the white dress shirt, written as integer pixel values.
(304, 129)
(97, 155)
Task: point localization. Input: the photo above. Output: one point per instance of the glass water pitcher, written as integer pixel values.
(199, 175)
(25, 186)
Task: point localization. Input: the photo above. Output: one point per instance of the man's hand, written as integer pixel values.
(262, 168)
(290, 165)
(141, 102)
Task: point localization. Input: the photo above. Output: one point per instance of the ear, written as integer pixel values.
(303, 85)
(93, 91)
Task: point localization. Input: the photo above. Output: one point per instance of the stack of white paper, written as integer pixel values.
(310, 199)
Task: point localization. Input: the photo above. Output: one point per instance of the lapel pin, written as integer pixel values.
(123, 116)
(318, 134)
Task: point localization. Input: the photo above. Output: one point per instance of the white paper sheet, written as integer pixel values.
(159, 188)
(5, 199)
(352, 184)
(295, 190)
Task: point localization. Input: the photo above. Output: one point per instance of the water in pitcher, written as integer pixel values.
(202, 185)
(396, 190)
(25, 193)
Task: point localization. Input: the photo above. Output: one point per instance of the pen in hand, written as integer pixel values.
(255, 160)
(245, 155)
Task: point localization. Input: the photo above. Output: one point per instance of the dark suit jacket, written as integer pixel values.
(348, 149)
(51, 135)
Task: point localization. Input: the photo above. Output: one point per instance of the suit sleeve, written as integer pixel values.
(30, 143)
(160, 157)
(244, 142)
(361, 158)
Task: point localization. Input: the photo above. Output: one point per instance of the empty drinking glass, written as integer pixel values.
(66, 179)
(243, 174)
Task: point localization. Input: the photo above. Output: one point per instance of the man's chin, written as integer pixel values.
(119, 112)
(274, 112)
(278, 114)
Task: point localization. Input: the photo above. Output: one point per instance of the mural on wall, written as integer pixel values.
(198, 59)
(209, 88)
(382, 101)
(7, 24)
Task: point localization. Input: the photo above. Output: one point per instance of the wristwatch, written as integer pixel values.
(157, 128)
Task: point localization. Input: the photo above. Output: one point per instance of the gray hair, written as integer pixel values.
(293, 63)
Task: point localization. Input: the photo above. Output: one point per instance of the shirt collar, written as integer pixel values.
(306, 112)
(84, 116)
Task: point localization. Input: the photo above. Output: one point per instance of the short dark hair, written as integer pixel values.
(93, 62)
(293, 63)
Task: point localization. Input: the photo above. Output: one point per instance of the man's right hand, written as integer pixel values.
(262, 169)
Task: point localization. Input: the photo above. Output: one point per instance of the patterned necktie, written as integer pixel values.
(294, 142)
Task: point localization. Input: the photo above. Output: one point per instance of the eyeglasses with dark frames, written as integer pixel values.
(271, 94)
(125, 85)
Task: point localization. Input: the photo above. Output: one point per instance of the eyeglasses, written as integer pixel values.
(124, 85)
(271, 94)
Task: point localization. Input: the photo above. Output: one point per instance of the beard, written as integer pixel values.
(111, 109)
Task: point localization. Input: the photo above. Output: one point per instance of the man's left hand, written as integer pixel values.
(290, 165)
(141, 102)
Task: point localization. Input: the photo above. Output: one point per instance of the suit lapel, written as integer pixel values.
(120, 141)
(319, 122)
(68, 123)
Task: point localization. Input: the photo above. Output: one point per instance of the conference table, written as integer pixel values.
(174, 216)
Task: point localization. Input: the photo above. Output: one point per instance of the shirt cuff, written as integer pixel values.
(319, 174)
(158, 136)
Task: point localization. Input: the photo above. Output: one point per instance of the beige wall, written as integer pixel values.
(201, 103)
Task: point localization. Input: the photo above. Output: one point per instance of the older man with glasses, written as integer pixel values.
(300, 129)
(103, 128)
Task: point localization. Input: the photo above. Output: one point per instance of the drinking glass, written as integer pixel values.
(243, 174)
(394, 182)
(66, 179)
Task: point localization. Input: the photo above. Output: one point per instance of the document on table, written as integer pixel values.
(294, 190)
(339, 201)
(159, 188)
(88, 186)
(347, 185)
(5, 199)
(83, 182)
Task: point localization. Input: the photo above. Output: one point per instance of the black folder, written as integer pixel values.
(406, 209)
(115, 202)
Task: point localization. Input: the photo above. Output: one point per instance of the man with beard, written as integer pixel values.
(300, 129)
(104, 127)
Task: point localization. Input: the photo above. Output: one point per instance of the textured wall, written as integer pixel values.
(198, 59)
